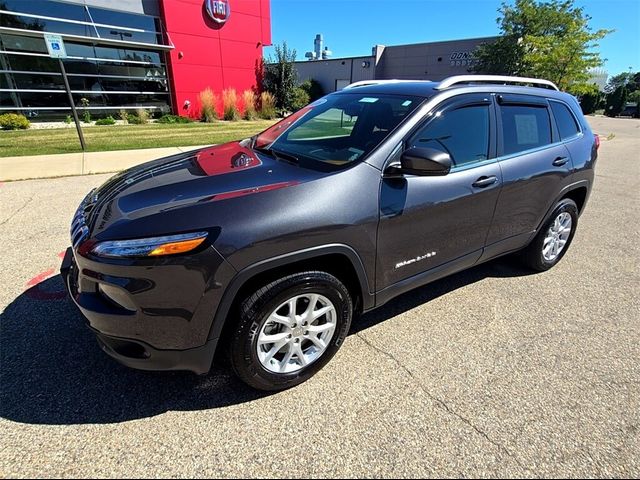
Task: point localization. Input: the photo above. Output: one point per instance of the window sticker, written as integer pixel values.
(368, 100)
(406, 103)
(355, 153)
(526, 129)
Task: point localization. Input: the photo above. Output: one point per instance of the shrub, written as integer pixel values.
(615, 101)
(124, 116)
(249, 100)
(267, 106)
(230, 105)
(174, 119)
(208, 102)
(143, 115)
(313, 89)
(300, 99)
(68, 119)
(86, 115)
(106, 121)
(14, 121)
(590, 102)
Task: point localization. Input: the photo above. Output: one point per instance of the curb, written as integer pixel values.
(72, 164)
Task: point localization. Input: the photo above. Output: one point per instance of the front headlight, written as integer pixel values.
(150, 247)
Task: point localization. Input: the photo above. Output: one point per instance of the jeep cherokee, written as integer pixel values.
(267, 247)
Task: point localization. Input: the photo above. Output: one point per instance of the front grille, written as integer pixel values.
(79, 229)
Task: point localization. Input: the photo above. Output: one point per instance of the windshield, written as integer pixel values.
(336, 130)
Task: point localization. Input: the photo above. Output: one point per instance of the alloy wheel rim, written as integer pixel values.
(296, 333)
(557, 237)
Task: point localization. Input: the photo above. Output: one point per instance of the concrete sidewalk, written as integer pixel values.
(67, 164)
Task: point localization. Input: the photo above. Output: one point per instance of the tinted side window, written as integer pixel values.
(463, 133)
(567, 125)
(525, 127)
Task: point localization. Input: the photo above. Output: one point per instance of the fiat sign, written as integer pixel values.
(218, 10)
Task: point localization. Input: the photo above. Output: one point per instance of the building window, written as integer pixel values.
(111, 60)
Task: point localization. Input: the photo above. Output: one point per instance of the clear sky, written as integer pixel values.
(352, 27)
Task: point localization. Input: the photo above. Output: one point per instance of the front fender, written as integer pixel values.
(246, 274)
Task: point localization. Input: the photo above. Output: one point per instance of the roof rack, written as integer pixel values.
(363, 83)
(500, 79)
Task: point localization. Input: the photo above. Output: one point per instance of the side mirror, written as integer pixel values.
(425, 161)
(422, 161)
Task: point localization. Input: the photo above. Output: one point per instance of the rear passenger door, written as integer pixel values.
(535, 167)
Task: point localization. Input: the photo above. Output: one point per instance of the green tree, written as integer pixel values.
(280, 77)
(625, 79)
(616, 101)
(590, 102)
(550, 39)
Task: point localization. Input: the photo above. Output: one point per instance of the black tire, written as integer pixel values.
(532, 255)
(254, 312)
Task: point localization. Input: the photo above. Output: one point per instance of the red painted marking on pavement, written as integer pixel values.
(62, 254)
(35, 290)
(40, 277)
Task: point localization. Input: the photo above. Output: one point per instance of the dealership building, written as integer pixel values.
(422, 61)
(126, 54)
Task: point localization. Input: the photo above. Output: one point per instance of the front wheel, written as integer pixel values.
(554, 238)
(289, 329)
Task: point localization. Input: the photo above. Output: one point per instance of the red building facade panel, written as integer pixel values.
(213, 55)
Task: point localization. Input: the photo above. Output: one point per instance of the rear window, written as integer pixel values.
(525, 127)
(566, 121)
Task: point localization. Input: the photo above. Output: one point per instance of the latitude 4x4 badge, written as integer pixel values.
(218, 10)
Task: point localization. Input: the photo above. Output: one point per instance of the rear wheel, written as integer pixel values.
(290, 329)
(554, 238)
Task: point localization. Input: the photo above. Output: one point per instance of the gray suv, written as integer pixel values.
(265, 249)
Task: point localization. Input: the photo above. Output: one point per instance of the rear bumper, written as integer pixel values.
(158, 330)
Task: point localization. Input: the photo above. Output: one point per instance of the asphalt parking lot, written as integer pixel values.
(493, 372)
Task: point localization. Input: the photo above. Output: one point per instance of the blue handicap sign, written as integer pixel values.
(55, 46)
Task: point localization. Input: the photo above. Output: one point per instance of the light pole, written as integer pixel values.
(122, 34)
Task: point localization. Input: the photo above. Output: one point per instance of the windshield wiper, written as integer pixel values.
(277, 154)
(285, 156)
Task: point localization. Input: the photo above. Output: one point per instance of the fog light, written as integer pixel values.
(118, 296)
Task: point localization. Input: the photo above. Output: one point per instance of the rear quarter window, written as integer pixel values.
(565, 120)
(525, 127)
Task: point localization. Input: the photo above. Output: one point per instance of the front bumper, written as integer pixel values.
(161, 313)
(139, 355)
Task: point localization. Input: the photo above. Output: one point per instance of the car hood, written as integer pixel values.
(182, 192)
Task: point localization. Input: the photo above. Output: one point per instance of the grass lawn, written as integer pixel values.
(124, 137)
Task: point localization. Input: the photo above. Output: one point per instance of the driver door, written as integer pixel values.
(428, 222)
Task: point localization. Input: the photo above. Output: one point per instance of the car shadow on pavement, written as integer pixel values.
(501, 268)
(53, 372)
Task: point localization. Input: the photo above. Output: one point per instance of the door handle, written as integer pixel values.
(483, 182)
(558, 162)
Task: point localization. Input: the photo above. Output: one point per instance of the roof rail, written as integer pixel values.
(363, 83)
(500, 79)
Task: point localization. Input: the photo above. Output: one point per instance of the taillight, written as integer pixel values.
(596, 137)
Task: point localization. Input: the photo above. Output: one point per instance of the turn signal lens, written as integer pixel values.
(150, 247)
(176, 247)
